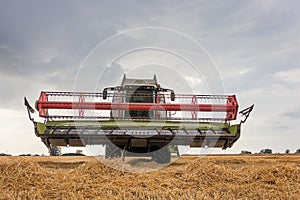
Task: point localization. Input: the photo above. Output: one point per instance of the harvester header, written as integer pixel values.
(118, 117)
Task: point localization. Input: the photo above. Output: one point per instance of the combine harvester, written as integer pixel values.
(138, 116)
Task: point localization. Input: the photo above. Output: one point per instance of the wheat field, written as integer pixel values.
(209, 177)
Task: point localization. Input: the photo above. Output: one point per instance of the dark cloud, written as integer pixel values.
(43, 44)
(292, 114)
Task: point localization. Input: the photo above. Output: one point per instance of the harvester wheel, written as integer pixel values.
(112, 151)
(55, 151)
(162, 155)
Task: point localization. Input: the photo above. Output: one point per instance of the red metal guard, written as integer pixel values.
(230, 108)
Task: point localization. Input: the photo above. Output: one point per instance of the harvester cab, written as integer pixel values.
(138, 117)
(146, 91)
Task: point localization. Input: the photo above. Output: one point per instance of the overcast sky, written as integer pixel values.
(255, 46)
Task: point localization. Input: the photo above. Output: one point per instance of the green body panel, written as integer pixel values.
(128, 124)
(117, 124)
(85, 132)
(233, 129)
(41, 127)
(146, 125)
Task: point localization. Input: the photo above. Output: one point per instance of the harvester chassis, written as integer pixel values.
(141, 117)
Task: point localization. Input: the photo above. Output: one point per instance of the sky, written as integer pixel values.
(247, 48)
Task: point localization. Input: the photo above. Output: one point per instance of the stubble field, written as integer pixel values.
(209, 177)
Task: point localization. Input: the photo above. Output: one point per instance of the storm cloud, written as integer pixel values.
(255, 46)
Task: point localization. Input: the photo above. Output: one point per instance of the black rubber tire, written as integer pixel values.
(162, 155)
(112, 151)
(55, 151)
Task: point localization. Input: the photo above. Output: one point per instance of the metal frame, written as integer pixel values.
(85, 130)
(43, 105)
